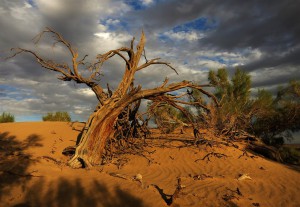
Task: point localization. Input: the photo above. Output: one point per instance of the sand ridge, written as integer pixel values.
(33, 173)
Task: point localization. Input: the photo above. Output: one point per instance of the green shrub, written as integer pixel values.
(7, 117)
(57, 116)
(233, 95)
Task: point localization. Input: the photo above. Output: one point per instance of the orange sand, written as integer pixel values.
(29, 178)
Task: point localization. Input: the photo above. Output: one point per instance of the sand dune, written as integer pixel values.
(33, 173)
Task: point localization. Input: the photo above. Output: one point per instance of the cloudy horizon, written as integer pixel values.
(196, 36)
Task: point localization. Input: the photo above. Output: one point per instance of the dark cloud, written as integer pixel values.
(167, 14)
(271, 59)
(272, 27)
(262, 36)
(256, 24)
(268, 78)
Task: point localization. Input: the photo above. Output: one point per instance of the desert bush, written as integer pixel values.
(277, 117)
(6, 117)
(57, 116)
(290, 155)
(235, 112)
(165, 116)
(271, 118)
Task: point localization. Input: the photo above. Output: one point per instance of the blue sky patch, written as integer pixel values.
(189, 29)
(114, 24)
(200, 24)
(218, 59)
(32, 3)
(136, 5)
(14, 92)
(28, 118)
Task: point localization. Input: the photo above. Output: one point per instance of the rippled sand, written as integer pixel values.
(30, 177)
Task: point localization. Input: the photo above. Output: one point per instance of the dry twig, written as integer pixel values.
(212, 154)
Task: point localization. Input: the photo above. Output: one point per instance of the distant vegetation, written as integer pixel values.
(271, 117)
(165, 117)
(7, 117)
(57, 116)
(290, 154)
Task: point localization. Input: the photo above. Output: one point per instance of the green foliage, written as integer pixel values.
(276, 118)
(264, 100)
(180, 116)
(221, 83)
(7, 117)
(271, 118)
(199, 109)
(57, 116)
(165, 116)
(241, 85)
(237, 90)
(234, 98)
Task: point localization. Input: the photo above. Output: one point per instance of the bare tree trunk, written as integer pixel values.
(98, 129)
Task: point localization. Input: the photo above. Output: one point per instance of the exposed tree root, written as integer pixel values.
(212, 154)
(175, 195)
(245, 153)
(52, 159)
(169, 199)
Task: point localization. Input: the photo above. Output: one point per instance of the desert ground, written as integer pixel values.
(33, 173)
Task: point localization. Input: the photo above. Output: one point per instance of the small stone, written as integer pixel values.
(244, 177)
(138, 177)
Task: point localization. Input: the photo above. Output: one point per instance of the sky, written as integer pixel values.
(260, 36)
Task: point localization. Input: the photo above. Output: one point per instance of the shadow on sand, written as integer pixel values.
(64, 193)
(272, 154)
(14, 161)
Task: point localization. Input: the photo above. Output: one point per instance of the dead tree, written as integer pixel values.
(101, 123)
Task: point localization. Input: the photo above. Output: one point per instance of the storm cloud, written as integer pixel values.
(260, 36)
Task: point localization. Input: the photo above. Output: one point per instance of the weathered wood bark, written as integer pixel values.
(100, 125)
(93, 140)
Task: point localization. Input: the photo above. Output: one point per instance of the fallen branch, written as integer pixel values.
(169, 199)
(150, 160)
(246, 154)
(117, 175)
(175, 195)
(120, 162)
(52, 159)
(212, 154)
(208, 143)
